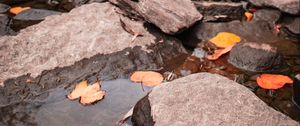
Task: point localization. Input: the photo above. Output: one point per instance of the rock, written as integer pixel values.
(4, 26)
(61, 40)
(208, 100)
(291, 26)
(268, 15)
(252, 31)
(220, 11)
(256, 57)
(171, 16)
(288, 6)
(4, 8)
(30, 17)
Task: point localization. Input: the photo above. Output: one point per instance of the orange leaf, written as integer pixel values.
(218, 53)
(92, 94)
(16, 10)
(249, 16)
(77, 92)
(225, 39)
(273, 81)
(88, 93)
(148, 78)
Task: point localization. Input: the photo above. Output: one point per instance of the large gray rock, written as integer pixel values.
(256, 57)
(4, 8)
(61, 40)
(4, 25)
(171, 16)
(288, 6)
(206, 100)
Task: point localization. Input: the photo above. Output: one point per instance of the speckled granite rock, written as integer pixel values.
(288, 6)
(206, 100)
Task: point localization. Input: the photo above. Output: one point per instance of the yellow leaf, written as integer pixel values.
(148, 78)
(225, 39)
(273, 81)
(16, 10)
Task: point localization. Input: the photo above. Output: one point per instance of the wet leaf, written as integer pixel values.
(219, 52)
(88, 93)
(16, 10)
(249, 16)
(78, 91)
(225, 39)
(273, 81)
(148, 78)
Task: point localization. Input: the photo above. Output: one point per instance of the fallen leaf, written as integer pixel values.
(148, 78)
(219, 52)
(249, 16)
(78, 91)
(225, 39)
(88, 93)
(273, 81)
(16, 10)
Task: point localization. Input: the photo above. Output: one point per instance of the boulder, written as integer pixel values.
(292, 25)
(220, 11)
(62, 40)
(171, 16)
(256, 57)
(288, 6)
(205, 99)
(4, 8)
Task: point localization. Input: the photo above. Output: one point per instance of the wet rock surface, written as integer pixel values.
(83, 33)
(211, 100)
(256, 57)
(291, 26)
(171, 16)
(4, 25)
(4, 8)
(288, 6)
(220, 11)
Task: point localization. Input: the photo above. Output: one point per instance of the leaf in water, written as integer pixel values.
(225, 39)
(77, 92)
(16, 10)
(218, 53)
(88, 93)
(92, 94)
(148, 78)
(249, 16)
(273, 81)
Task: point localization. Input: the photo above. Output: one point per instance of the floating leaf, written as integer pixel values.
(16, 10)
(273, 81)
(225, 39)
(92, 94)
(249, 16)
(218, 53)
(88, 93)
(148, 78)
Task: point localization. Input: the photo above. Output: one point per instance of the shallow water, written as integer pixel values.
(56, 109)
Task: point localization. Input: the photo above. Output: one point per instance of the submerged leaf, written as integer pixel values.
(16, 10)
(218, 53)
(148, 78)
(225, 39)
(88, 93)
(77, 92)
(273, 81)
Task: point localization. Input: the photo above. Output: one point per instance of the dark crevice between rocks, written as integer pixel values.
(142, 113)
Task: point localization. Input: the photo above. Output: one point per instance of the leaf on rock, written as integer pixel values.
(273, 81)
(16, 10)
(225, 39)
(219, 52)
(249, 16)
(88, 93)
(148, 78)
